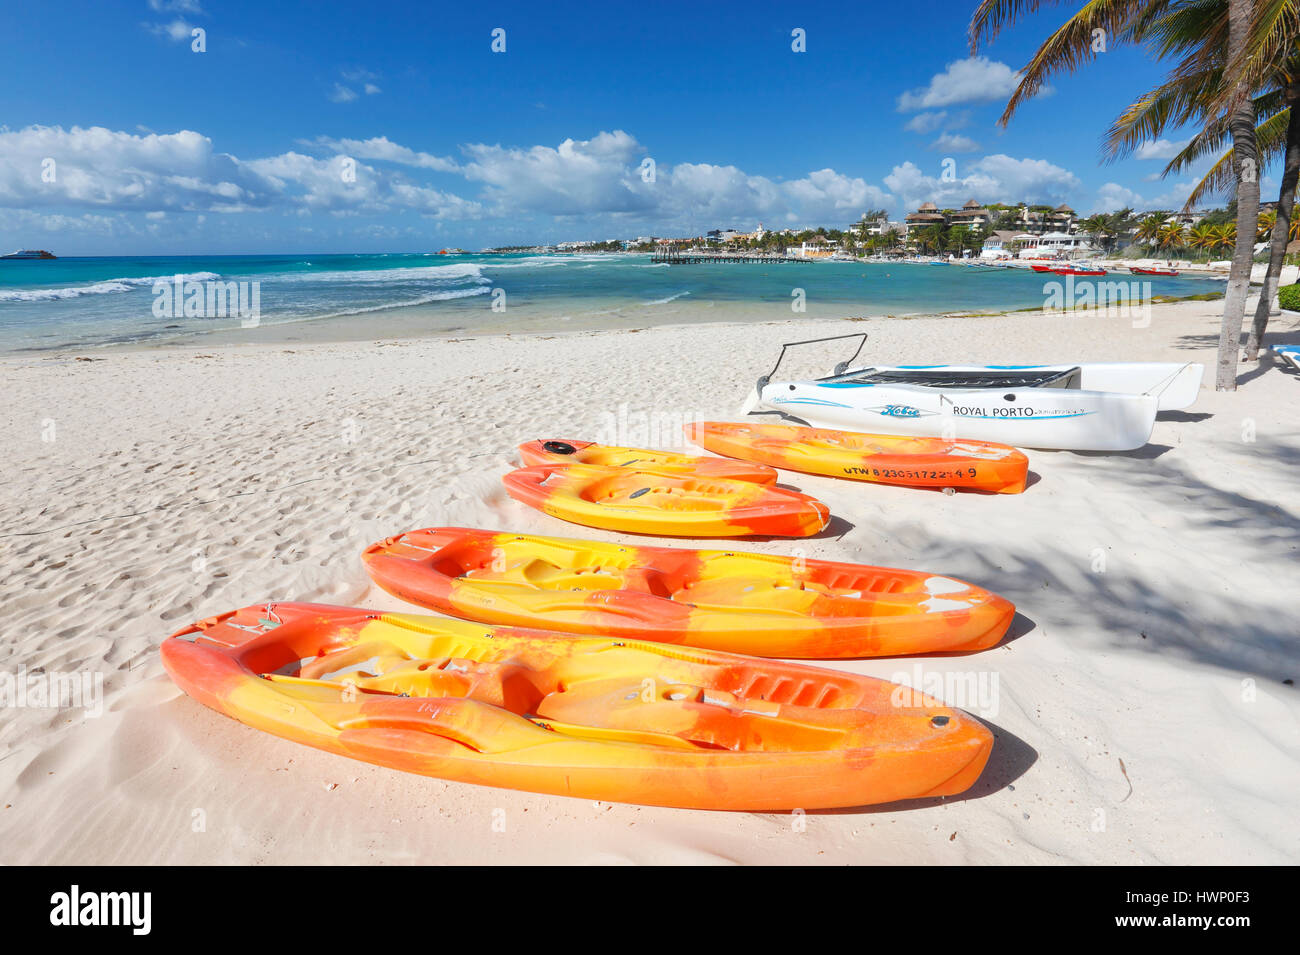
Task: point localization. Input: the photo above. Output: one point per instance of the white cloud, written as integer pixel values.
(954, 143)
(176, 6)
(576, 177)
(928, 122)
(996, 178)
(1160, 149)
(342, 94)
(343, 186)
(371, 89)
(701, 192)
(974, 80)
(178, 30)
(104, 169)
(1112, 197)
(826, 196)
(381, 148)
(125, 175)
(602, 176)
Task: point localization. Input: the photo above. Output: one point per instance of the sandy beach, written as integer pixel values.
(1143, 703)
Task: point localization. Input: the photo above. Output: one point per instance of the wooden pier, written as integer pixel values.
(678, 257)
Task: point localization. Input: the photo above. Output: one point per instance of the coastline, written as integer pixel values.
(210, 302)
(149, 487)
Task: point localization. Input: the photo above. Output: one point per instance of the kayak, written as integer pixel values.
(561, 451)
(593, 718)
(763, 604)
(648, 502)
(879, 458)
(1097, 406)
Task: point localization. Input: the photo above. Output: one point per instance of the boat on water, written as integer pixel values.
(30, 254)
(1043, 268)
(1137, 270)
(1095, 406)
(1079, 270)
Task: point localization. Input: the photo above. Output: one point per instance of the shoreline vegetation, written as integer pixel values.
(1193, 238)
(1218, 268)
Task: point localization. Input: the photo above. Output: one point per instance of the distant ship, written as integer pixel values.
(30, 254)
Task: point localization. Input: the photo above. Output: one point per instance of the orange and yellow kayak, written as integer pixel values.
(564, 451)
(595, 718)
(763, 604)
(880, 458)
(676, 505)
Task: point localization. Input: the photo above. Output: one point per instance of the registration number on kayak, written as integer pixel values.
(919, 475)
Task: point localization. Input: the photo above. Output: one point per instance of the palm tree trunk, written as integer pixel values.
(1246, 161)
(1281, 228)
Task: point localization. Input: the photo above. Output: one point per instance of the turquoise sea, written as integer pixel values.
(89, 302)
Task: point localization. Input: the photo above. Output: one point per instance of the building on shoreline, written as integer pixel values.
(927, 215)
(972, 216)
(818, 247)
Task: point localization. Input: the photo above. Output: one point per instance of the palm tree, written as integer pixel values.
(1277, 134)
(1098, 227)
(932, 238)
(1267, 220)
(1171, 236)
(1148, 230)
(1202, 238)
(1225, 235)
(1226, 53)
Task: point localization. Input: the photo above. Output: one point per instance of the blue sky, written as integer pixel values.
(394, 126)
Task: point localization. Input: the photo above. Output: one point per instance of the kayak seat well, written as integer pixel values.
(494, 706)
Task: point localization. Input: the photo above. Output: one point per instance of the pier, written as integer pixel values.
(678, 257)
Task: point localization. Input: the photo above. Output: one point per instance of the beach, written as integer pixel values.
(1139, 704)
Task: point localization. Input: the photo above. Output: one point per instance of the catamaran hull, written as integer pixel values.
(1051, 418)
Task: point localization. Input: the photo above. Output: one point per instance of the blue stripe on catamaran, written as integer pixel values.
(810, 401)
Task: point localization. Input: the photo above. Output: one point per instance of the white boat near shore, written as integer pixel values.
(1093, 406)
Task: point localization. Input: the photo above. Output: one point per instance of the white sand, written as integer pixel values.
(1140, 712)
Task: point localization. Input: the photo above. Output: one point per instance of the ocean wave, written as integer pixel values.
(548, 261)
(415, 273)
(665, 301)
(422, 300)
(99, 288)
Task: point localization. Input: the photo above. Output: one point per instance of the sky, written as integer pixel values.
(396, 126)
